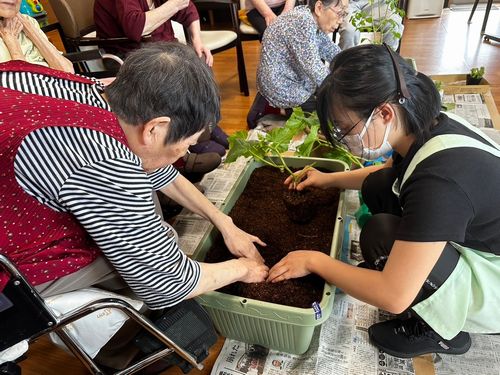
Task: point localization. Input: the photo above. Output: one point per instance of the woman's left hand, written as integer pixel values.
(294, 264)
(242, 244)
(203, 52)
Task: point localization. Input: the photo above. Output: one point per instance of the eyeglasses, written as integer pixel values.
(340, 14)
(339, 135)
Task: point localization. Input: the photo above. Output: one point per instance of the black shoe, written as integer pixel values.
(413, 337)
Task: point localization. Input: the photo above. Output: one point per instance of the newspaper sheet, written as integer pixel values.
(469, 106)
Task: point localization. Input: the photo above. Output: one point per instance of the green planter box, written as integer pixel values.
(278, 327)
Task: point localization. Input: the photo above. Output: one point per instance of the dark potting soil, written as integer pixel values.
(260, 211)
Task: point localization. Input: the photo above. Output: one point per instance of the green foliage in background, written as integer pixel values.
(379, 20)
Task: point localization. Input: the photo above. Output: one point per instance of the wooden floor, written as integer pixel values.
(441, 45)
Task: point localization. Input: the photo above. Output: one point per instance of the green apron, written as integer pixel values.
(469, 300)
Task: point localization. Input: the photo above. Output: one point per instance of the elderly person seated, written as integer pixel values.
(135, 19)
(94, 219)
(22, 39)
(295, 48)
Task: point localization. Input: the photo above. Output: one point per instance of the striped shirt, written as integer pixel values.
(102, 183)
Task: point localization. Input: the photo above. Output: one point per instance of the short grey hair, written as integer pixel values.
(166, 79)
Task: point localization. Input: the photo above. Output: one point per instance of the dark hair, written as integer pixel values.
(365, 76)
(312, 3)
(166, 79)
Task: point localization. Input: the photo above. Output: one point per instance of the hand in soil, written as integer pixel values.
(256, 272)
(241, 243)
(294, 264)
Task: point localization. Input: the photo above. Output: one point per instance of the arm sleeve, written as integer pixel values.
(31, 53)
(112, 200)
(306, 55)
(162, 177)
(132, 18)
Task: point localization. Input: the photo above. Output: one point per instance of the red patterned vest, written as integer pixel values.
(44, 244)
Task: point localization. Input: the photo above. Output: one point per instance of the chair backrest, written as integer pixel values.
(76, 17)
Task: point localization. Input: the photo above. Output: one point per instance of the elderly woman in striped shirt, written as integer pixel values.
(76, 181)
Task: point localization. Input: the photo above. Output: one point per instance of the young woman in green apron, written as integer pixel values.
(432, 246)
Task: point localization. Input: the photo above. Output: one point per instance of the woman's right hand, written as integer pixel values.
(311, 177)
(256, 272)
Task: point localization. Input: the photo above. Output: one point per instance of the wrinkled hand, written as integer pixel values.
(309, 177)
(204, 53)
(256, 271)
(269, 18)
(29, 29)
(10, 28)
(241, 244)
(293, 265)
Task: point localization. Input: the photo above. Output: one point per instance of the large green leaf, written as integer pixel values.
(238, 146)
(309, 143)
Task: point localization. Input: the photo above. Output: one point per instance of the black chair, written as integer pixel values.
(78, 33)
(485, 20)
(222, 40)
(25, 316)
(247, 32)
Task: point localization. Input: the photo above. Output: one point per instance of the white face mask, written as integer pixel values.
(358, 148)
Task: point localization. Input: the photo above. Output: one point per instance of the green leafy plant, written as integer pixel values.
(277, 141)
(315, 144)
(378, 19)
(477, 73)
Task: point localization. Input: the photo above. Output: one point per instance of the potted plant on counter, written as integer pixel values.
(377, 22)
(475, 76)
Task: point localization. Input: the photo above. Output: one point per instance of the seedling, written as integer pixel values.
(477, 73)
(277, 141)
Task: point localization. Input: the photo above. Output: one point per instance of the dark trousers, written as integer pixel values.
(379, 232)
(259, 22)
